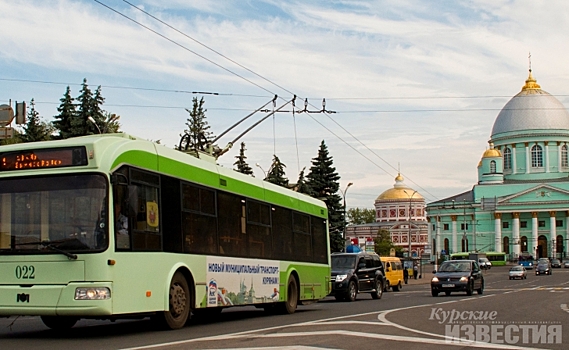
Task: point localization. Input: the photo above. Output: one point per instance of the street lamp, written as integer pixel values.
(410, 197)
(264, 173)
(344, 198)
(89, 118)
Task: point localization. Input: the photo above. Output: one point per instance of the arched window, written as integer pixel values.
(507, 158)
(506, 245)
(564, 161)
(493, 167)
(536, 156)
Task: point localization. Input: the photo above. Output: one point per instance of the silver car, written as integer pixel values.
(518, 272)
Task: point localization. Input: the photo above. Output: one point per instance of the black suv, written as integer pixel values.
(456, 276)
(354, 273)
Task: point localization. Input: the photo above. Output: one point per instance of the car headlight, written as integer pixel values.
(95, 293)
(435, 279)
(340, 278)
(464, 279)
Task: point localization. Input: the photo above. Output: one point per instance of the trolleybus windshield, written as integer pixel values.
(53, 214)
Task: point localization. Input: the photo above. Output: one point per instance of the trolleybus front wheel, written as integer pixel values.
(179, 304)
(59, 322)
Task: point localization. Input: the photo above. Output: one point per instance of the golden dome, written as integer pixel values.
(531, 83)
(400, 191)
(491, 152)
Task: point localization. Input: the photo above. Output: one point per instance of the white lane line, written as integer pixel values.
(343, 333)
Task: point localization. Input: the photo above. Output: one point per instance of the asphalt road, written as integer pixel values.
(531, 313)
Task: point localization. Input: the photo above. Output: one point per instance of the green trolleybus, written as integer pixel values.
(110, 226)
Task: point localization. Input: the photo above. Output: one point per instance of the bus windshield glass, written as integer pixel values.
(52, 215)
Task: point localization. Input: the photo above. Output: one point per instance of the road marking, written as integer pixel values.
(342, 333)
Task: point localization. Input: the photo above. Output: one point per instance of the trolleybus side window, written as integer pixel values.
(282, 233)
(231, 224)
(145, 207)
(320, 248)
(199, 219)
(171, 214)
(302, 239)
(259, 229)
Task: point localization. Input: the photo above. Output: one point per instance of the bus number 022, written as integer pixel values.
(25, 272)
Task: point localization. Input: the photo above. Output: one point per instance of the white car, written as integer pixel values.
(518, 272)
(484, 263)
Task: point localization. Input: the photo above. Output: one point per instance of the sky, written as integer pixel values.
(410, 86)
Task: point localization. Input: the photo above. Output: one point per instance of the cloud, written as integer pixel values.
(402, 75)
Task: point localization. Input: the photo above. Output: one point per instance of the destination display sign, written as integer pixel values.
(43, 158)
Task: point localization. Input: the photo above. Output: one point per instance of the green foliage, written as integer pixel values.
(324, 183)
(301, 184)
(241, 162)
(35, 129)
(383, 243)
(13, 140)
(276, 174)
(67, 112)
(73, 117)
(196, 137)
(357, 216)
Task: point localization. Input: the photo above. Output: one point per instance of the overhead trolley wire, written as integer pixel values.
(249, 81)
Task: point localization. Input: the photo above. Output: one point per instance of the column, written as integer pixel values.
(498, 230)
(429, 232)
(528, 158)
(559, 167)
(534, 229)
(516, 234)
(454, 238)
(552, 234)
(566, 242)
(473, 224)
(514, 164)
(546, 165)
(438, 237)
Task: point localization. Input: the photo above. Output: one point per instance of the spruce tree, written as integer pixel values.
(323, 180)
(35, 129)
(80, 125)
(241, 162)
(66, 111)
(197, 136)
(276, 174)
(301, 184)
(96, 112)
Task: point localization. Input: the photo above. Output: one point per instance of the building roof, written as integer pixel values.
(399, 191)
(531, 109)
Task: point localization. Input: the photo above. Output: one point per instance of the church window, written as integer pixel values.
(493, 167)
(564, 160)
(505, 224)
(523, 224)
(541, 223)
(536, 157)
(507, 158)
(445, 227)
(559, 223)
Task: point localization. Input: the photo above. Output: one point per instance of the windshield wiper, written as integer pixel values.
(49, 245)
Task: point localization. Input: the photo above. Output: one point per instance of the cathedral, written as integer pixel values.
(400, 211)
(520, 204)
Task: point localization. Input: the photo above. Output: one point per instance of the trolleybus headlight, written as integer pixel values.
(95, 293)
(340, 278)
